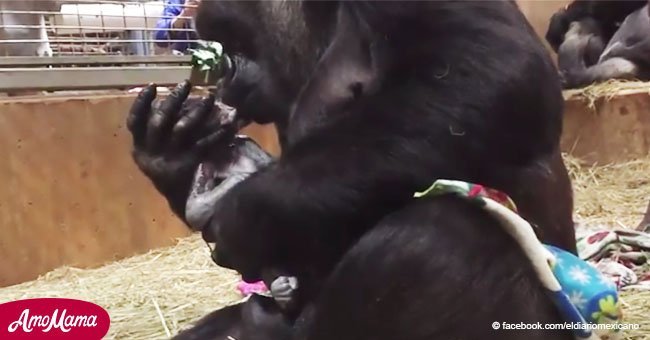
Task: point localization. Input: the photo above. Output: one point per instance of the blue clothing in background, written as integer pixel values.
(173, 8)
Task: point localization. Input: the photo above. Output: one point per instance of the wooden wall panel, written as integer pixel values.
(69, 191)
(615, 130)
(539, 13)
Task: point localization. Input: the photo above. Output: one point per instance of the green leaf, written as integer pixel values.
(208, 55)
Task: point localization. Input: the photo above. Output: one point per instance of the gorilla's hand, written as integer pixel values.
(282, 289)
(172, 136)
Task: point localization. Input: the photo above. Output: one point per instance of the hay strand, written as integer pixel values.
(606, 91)
(614, 195)
(162, 318)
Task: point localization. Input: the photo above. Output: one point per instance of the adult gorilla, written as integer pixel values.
(389, 96)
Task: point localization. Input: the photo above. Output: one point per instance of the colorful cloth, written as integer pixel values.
(247, 289)
(580, 292)
(622, 255)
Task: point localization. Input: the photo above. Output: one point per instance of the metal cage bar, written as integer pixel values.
(92, 44)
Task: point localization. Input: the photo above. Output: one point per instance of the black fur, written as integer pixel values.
(442, 268)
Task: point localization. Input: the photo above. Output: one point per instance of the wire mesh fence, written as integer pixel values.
(90, 44)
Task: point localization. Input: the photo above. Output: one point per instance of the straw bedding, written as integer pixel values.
(607, 90)
(153, 295)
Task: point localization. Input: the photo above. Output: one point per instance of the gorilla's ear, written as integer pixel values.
(352, 67)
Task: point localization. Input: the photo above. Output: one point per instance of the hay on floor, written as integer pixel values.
(156, 294)
(613, 195)
(147, 296)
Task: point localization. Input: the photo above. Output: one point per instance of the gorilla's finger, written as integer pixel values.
(136, 121)
(188, 123)
(223, 118)
(162, 118)
(213, 139)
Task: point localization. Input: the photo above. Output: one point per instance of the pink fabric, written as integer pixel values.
(246, 289)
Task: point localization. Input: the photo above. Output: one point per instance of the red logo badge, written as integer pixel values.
(53, 318)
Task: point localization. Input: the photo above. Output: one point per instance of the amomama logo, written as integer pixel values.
(53, 318)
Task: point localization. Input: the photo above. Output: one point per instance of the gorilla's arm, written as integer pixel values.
(305, 205)
(631, 41)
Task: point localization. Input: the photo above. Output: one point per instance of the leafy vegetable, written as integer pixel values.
(208, 56)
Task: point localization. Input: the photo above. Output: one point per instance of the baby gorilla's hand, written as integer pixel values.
(282, 289)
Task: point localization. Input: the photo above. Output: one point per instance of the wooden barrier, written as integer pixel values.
(70, 193)
(539, 13)
(615, 129)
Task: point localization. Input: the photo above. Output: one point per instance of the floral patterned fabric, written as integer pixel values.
(582, 294)
(620, 254)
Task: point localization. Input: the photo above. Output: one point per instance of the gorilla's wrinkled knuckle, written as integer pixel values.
(181, 126)
(156, 121)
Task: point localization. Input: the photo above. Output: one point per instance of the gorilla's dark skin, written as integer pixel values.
(437, 90)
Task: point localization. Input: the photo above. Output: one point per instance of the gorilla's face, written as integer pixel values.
(272, 49)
